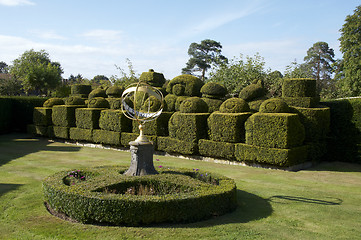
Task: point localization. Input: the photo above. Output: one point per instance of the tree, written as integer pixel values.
(320, 59)
(125, 79)
(100, 80)
(350, 43)
(203, 55)
(9, 86)
(37, 73)
(239, 73)
(4, 67)
(296, 70)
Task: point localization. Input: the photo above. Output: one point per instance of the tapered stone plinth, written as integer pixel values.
(141, 159)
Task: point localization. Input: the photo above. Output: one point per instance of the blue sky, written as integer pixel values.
(91, 36)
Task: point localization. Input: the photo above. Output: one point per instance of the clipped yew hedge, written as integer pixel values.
(105, 195)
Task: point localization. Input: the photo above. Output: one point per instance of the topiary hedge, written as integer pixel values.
(213, 90)
(42, 116)
(193, 105)
(274, 105)
(274, 130)
(87, 117)
(192, 85)
(53, 101)
(114, 120)
(105, 195)
(299, 87)
(152, 78)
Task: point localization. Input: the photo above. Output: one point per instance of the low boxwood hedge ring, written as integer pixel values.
(105, 195)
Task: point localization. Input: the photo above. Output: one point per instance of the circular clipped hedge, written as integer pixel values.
(213, 90)
(105, 195)
(193, 105)
(114, 92)
(274, 105)
(53, 101)
(99, 92)
(74, 101)
(98, 102)
(234, 105)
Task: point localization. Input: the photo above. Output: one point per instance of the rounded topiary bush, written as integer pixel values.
(98, 102)
(80, 90)
(74, 101)
(178, 89)
(193, 105)
(105, 195)
(99, 92)
(152, 78)
(234, 105)
(170, 101)
(114, 92)
(192, 85)
(274, 105)
(213, 90)
(152, 104)
(253, 91)
(53, 101)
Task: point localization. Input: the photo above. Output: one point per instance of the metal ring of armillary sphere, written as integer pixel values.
(142, 103)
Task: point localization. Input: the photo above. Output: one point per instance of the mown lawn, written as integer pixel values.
(323, 202)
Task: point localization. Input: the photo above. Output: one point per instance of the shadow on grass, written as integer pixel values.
(6, 187)
(13, 146)
(336, 167)
(250, 208)
(287, 199)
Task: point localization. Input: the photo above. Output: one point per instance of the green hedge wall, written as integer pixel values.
(189, 127)
(42, 116)
(344, 139)
(158, 127)
(173, 145)
(214, 149)
(106, 137)
(6, 115)
(87, 117)
(299, 87)
(271, 156)
(80, 134)
(227, 127)
(58, 132)
(114, 120)
(64, 116)
(274, 130)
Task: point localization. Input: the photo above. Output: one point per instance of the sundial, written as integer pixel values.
(141, 103)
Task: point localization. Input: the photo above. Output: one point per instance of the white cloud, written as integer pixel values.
(13, 3)
(48, 35)
(104, 36)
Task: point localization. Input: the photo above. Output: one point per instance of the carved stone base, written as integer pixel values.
(142, 159)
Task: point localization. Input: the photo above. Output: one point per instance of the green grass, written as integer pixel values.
(323, 202)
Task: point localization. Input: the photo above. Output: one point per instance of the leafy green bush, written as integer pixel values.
(152, 78)
(214, 149)
(114, 91)
(170, 101)
(158, 127)
(227, 127)
(213, 90)
(274, 130)
(106, 137)
(58, 132)
(299, 87)
(234, 105)
(212, 104)
(274, 105)
(87, 117)
(107, 196)
(73, 100)
(42, 116)
(80, 90)
(192, 85)
(252, 91)
(189, 127)
(271, 156)
(64, 116)
(114, 120)
(99, 92)
(80, 134)
(53, 101)
(193, 105)
(98, 102)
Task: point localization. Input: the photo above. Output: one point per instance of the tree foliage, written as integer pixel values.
(37, 73)
(202, 56)
(239, 73)
(320, 59)
(125, 79)
(3, 67)
(350, 42)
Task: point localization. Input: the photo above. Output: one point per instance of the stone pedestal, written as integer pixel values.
(142, 159)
